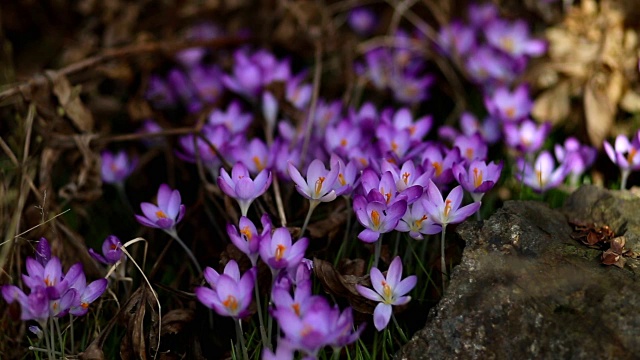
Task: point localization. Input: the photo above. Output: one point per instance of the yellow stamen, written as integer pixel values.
(280, 252)
(477, 177)
(632, 153)
(507, 43)
(231, 303)
(375, 218)
(394, 146)
(259, 165)
(343, 142)
(419, 221)
(306, 330)
(412, 130)
(405, 178)
(161, 215)
(55, 306)
(511, 112)
(48, 282)
(438, 167)
(447, 207)
(319, 185)
(540, 181)
(363, 161)
(246, 232)
(469, 153)
(341, 179)
(386, 289)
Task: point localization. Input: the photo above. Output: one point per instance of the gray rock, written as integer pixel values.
(526, 290)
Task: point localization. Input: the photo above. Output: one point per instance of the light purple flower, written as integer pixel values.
(416, 222)
(115, 169)
(403, 120)
(447, 211)
(509, 106)
(233, 118)
(576, 157)
(167, 213)
(478, 177)
(252, 71)
(255, 156)
(362, 20)
(318, 187)
(248, 239)
(278, 252)
(528, 137)
(241, 187)
(342, 137)
(488, 67)
(438, 162)
(111, 251)
(543, 175)
(347, 176)
(625, 153)
(389, 290)
(43, 252)
(471, 147)
(513, 38)
(86, 294)
(482, 14)
(230, 294)
(456, 38)
(376, 216)
(406, 176)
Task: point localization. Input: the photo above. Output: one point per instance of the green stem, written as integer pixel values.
(263, 334)
(376, 254)
(312, 206)
(60, 339)
(402, 335)
(346, 233)
(240, 340)
(51, 334)
(73, 343)
(623, 181)
(395, 248)
(443, 264)
(174, 234)
(47, 340)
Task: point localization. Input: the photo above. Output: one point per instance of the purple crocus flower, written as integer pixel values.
(230, 294)
(115, 169)
(194, 147)
(482, 14)
(478, 177)
(111, 251)
(471, 147)
(342, 137)
(456, 38)
(376, 216)
(386, 186)
(248, 239)
(410, 89)
(438, 161)
(297, 92)
(319, 184)
(233, 118)
(251, 72)
(528, 137)
(407, 176)
(255, 155)
(86, 294)
(299, 302)
(43, 252)
(159, 93)
(347, 176)
(393, 141)
(166, 214)
(447, 211)
(543, 175)
(509, 106)
(206, 83)
(389, 290)
(34, 306)
(625, 154)
(416, 222)
(487, 66)
(277, 250)
(403, 120)
(362, 20)
(576, 157)
(513, 38)
(241, 187)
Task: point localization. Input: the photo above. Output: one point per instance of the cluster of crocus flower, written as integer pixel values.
(53, 294)
(625, 154)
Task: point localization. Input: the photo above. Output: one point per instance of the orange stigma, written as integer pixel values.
(438, 167)
(447, 207)
(258, 163)
(296, 308)
(477, 177)
(341, 179)
(507, 43)
(632, 153)
(394, 146)
(469, 153)
(84, 305)
(343, 142)
(375, 218)
(405, 178)
(246, 232)
(412, 130)
(386, 289)
(419, 221)
(231, 303)
(319, 185)
(161, 215)
(280, 249)
(511, 112)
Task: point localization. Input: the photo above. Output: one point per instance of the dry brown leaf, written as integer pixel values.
(175, 320)
(553, 104)
(343, 286)
(599, 112)
(630, 101)
(69, 99)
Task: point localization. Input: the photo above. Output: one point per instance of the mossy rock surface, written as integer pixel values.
(525, 289)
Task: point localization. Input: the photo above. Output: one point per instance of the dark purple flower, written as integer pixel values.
(111, 251)
(389, 290)
(342, 137)
(438, 162)
(403, 120)
(487, 66)
(86, 294)
(166, 214)
(43, 251)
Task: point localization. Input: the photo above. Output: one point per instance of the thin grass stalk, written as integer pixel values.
(174, 234)
(312, 206)
(376, 254)
(240, 340)
(60, 338)
(443, 264)
(263, 335)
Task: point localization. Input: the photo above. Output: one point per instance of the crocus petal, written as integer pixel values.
(368, 235)
(94, 290)
(232, 270)
(404, 286)
(296, 177)
(464, 212)
(381, 316)
(164, 195)
(377, 280)
(173, 205)
(145, 222)
(150, 211)
(394, 273)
